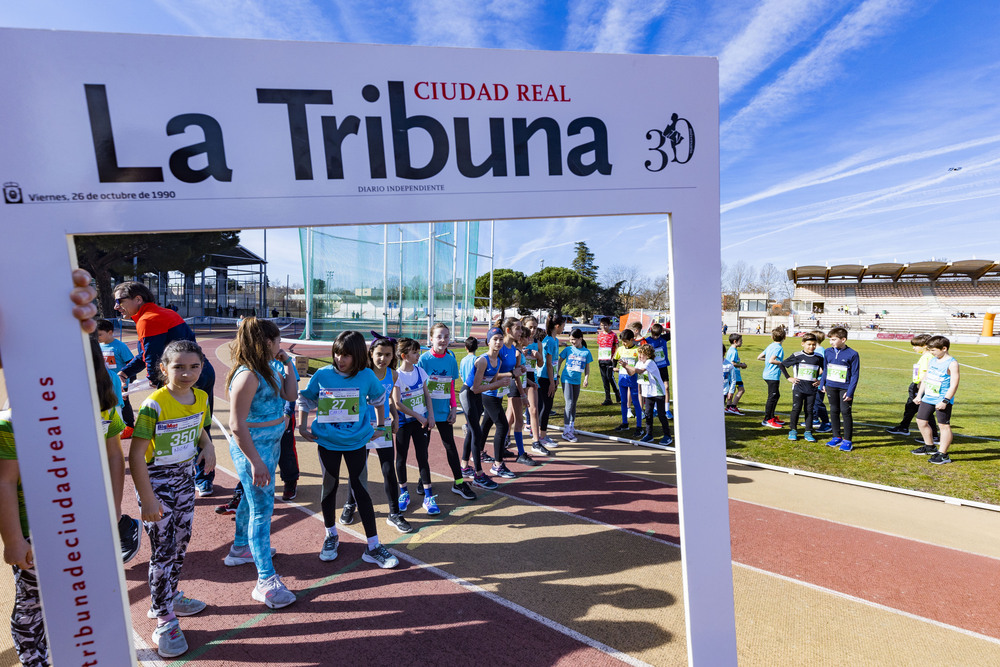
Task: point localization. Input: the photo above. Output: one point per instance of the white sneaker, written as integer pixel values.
(273, 593)
(169, 640)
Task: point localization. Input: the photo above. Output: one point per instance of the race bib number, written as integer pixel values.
(382, 438)
(175, 439)
(932, 387)
(338, 406)
(659, 355)
(575, 365)
(503, 391)
(106, 424)
(916, 373)
(414, 400)
(439, 386)
(836, 372)
(604, 354)
(808, 373)
(109, 361)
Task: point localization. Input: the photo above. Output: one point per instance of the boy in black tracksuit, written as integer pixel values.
(808, 367)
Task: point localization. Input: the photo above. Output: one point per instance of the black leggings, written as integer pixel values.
(800, 400)
(910, 411)
(472, 405)
(773, 394)
(288, 462)
(546, 403)
(389, 485)
(840, 408)
(421, 439)
(355, 460)
(493, 407)
(447, 433)
(660, 403)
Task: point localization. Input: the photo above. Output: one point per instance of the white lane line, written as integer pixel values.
(868, 603)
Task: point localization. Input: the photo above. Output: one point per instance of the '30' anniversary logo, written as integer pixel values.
(668, 140)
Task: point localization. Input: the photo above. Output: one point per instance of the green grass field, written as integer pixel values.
(877, 457)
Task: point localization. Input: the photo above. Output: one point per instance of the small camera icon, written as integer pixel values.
(12, 193)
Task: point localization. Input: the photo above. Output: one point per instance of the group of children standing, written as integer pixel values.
(818, 374)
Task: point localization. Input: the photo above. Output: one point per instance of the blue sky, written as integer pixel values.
(840, 118)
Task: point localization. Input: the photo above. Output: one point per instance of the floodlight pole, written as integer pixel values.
(430, 278)
(309, 283)
(489, 313)
(385, 280)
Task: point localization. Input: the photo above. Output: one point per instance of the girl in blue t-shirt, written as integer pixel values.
(340, 395)
(546, 381)
(577, 358)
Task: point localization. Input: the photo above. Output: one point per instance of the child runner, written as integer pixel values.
(653, 391)
(607, 342)
(410, 398)
(531, 355)
(546, 378)
(340, 394)
(577, 359)
(734, 395)
(636, 327)
(919, 343)
(510, 358)
(659, 340)
(728, 374)
(772, 356)
(821, 418)
(935, 398)
(626, 355)
(840, 380)
(442, 371)
(807, 371)
(488, 381)
(472, 406)
(261, 381)
(116, 356)
(169, 430)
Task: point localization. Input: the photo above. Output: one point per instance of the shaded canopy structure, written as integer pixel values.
(970, 269)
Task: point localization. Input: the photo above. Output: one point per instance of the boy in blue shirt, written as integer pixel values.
(935, 398)
(840, 381)
(577, 358)
(735, 391)
(659, 340)
(116, 356)
(773, 355)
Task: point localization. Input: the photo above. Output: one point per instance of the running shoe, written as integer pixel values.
(500, 470)
(431, 506)
(670, 414)
(399, 523)
(774, 423)
(169, 640)
(846, 445)
(666, 440)
(130, 532)
(737, 411)
(621, 428)
(808, 436)
(463, 490)
(636, 434)
(273, 593)
(793, 434)
(232, 505)
(570, 436)
(290, 491)
(834, 442)
(825, 428)
(404, 500)
(329, 550)
(896, 430)
(525, 460)
(549, 442)
(183, 606)
(420, 488)
(347, 516)
(539, 448)
(817, 422)
(241, 555)
(483, 481)
(647, 437)
(924, 450)
(486, 458)
(608, 401)
(468, 472)
(936, 440)
(205, 488)
(380, 556)
(939, 458)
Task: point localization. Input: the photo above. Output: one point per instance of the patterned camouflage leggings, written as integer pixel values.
(169, 537)
(26, 624)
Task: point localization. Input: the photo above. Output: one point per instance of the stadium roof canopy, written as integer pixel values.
(969, 269)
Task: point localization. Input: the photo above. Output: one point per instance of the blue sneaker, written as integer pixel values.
(670, 414)
(793, 435)
(666, 440)
(834, 442)
(808, 436)
(204, 488)
(846, 446)
(825, 428)
(430, 505)
(404, 500)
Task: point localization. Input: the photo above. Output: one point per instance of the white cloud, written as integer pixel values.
(814, 70)
(776, 27)
(612, 26)
(270, 19)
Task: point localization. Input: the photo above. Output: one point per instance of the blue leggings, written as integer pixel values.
(253, 517)
(628, 384)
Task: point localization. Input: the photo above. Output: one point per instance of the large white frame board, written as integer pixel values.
(95, 134)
